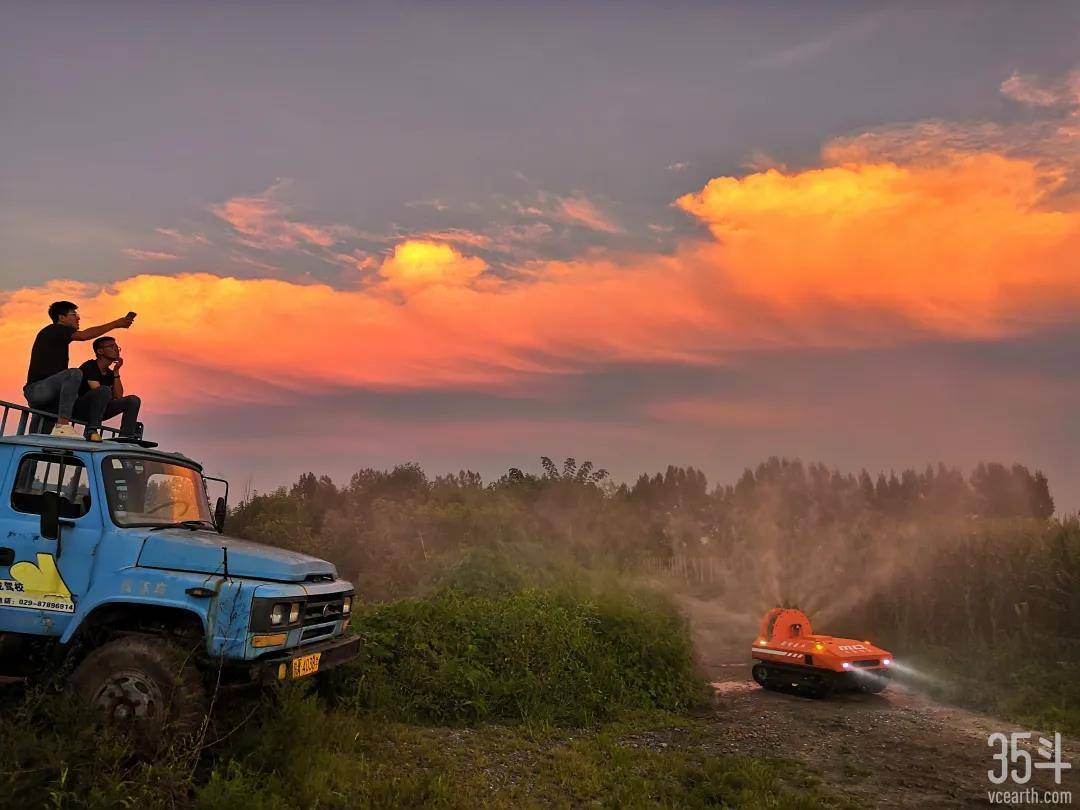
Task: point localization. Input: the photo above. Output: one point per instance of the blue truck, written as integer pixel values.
(114, 569)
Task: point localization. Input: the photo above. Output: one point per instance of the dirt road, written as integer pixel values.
(896, 749)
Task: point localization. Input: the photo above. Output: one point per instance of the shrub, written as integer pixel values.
(534, 655)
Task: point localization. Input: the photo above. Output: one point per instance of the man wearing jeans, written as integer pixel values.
(50, 384)
(100, 375)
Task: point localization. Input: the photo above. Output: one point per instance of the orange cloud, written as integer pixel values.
(181, 237)
(862, 252)
(149, 255)
(458, 236)
(851, 255)
(263, 222)
(1028, 89)
(417, 264)
(963, 248)
(580, 211)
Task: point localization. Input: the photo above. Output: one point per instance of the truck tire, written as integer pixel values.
(146, 685)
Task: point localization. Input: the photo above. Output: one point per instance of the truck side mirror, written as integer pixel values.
(220, 511)
(50, 515)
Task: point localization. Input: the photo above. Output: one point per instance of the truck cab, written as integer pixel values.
(114, 567)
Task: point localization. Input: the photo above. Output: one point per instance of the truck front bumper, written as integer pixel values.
(311, 659)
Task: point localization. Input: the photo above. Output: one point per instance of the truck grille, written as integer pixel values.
(317, 609)
(322, 609)
(868, 662)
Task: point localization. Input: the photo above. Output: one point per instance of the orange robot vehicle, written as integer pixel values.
(788, 655)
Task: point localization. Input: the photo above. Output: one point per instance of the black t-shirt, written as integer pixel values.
(92, 371)
(50, 353)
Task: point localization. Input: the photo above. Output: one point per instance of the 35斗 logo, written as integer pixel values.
(1016, 763)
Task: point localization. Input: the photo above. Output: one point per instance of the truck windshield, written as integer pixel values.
(150, 492)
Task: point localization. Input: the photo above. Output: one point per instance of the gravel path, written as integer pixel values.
(900, 748)
(896, 749)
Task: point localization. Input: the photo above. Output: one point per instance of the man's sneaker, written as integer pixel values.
(67, 431)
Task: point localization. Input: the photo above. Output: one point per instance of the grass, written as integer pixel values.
(301, 752)
(359, 763)
(591, 694)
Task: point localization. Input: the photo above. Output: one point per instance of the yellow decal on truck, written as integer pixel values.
(36, 587)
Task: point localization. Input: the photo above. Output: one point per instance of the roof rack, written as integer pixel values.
(31, 421)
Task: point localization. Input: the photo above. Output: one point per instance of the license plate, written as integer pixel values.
(306, 665)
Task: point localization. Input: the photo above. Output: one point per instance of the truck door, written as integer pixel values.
(42, 580)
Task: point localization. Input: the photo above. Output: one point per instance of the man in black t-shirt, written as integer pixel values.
(103, 374)
(50, 384)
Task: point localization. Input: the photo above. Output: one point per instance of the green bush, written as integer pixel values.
(535, 656)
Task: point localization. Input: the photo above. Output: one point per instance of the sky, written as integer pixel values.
(472, 234)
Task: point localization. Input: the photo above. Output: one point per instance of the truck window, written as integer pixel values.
(151, 492)
(40, 473)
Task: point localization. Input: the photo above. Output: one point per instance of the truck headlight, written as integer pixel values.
(346, 606)
(294, 613)
(277, 614)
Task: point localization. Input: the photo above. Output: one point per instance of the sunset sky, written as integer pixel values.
(472, 234)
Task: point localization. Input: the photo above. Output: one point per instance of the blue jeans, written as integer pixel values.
(56, 393)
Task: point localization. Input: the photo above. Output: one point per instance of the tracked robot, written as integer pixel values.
(789, 656)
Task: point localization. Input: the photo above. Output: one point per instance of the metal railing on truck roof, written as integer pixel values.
(31, 420)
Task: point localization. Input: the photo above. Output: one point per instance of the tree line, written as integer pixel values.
(391, 528)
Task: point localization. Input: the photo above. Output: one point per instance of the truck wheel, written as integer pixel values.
(148, 685)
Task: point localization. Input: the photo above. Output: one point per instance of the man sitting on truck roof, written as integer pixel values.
(103, 372)
(50, 384)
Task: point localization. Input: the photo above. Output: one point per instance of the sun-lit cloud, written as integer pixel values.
(182, 238)
(1051, 139)
(841, 256)
(572, 209)
(149, 255)
(1028, 89)
(459, 236)
(950, 248)
(760, 161)
(418, 264)
(971, 242)
(581, 211)
(264, 221)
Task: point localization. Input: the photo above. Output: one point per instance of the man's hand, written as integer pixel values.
(122, 323)
(117, 363)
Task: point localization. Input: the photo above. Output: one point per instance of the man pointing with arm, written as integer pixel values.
(50, 384)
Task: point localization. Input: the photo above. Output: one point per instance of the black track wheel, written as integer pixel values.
(146, 685)
(822, 688)
(873, 683)
(761, 675)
